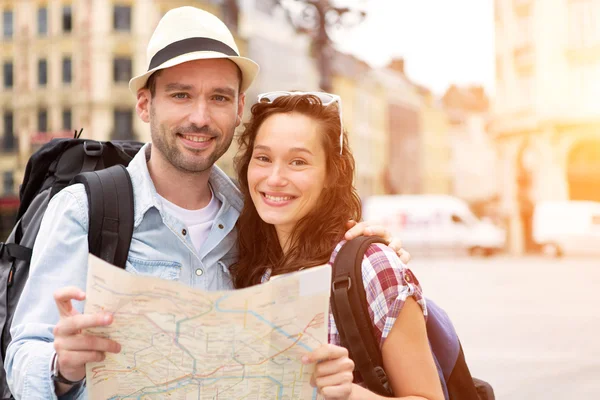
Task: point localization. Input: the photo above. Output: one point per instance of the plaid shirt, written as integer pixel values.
(388, 283)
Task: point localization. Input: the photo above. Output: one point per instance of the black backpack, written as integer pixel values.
(351, 314)
(100, 166)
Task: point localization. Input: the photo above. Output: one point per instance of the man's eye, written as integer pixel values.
(180, 95)
(220, 98)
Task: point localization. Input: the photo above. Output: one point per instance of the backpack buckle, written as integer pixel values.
(92, 148)
(383, 379)
(344, 280)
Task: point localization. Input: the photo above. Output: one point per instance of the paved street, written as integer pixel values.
(530, 326)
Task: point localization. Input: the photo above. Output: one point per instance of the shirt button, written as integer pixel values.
(184, 232)
(199, 272)
(221, 226)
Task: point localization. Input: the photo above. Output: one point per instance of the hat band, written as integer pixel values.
(190, 45)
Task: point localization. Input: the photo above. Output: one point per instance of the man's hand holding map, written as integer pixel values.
(183, 343)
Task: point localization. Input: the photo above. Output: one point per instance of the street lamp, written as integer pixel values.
(314, 18)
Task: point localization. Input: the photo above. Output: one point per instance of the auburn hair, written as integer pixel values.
(315, 236)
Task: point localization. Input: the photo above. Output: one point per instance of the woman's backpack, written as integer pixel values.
(351, 314)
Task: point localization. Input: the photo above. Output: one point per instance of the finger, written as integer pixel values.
(86, 343)
(63, 297)
(355, 231)
(71, 364)
(76, 323)
(332, 367)
(336, 392)
(396, 245)
(325, 352)
(381, 231)
(334, 380)
(404, 256)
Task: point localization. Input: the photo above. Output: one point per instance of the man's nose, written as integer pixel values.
(200, 114)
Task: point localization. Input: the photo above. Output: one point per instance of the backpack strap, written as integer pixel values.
(110, 198)
(351, 313)
(13, 251)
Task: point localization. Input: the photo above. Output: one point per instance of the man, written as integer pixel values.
(193, 97)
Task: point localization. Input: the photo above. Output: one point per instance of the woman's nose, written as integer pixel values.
(277, 177)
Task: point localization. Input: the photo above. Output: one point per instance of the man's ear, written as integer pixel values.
(240, 110)
(142, 106)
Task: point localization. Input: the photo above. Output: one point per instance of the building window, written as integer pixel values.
(123, 125)
(584, 27)
(42, 121)
(42, 72)
(585, 86)
(7, 23)
(7, 74)
(9, 143)
(122, 18)
(526, 92)
(122, 69)
(66, 70)
(66, 120)
(67, 19)
(8, 181)
(524, 35)
(499, 69)
(42, 19)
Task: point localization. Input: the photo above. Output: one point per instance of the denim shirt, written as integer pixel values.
(160, 247)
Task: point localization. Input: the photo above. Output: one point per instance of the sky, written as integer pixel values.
(443, 42)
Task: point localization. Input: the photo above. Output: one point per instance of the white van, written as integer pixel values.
(434, 224)
(567, 227)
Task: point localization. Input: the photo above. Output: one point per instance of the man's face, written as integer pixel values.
(194, 112)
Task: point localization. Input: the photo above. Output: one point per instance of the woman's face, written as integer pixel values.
(287, 170)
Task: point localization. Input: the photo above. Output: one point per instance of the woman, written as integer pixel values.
(296, 166)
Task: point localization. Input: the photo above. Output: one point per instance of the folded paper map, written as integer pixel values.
(182, 343)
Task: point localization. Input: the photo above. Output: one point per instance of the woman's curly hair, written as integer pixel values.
(315, 235)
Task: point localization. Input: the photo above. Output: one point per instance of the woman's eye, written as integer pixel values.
(298, 163)
(261, 158)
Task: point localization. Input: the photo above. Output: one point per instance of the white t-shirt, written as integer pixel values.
(198, 222)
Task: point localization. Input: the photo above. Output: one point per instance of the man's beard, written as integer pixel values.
(165, 141)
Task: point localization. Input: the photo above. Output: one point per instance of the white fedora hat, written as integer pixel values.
(188, 33)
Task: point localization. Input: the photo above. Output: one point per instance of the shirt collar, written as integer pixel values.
(146, 197)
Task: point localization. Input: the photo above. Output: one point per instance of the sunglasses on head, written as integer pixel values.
(326, 99)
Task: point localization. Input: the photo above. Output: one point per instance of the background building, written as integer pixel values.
(474, 160)
(66, 65)
(364, 115)
(419, 149)
(546, 114)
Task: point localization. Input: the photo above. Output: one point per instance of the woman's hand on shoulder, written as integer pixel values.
(366, 228)
(333, 371)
